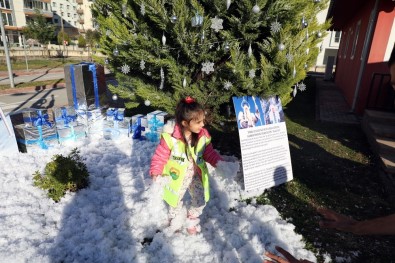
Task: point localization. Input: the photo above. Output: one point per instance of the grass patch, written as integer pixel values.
(333, 167)
(37, 64)
(33, 84)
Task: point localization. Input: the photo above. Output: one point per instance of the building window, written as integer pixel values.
(68, 7)
(56, 21)
(74, 8)
(347, 43)
(337, 36)
(354, 46)
(5, 4)
(7, 19)
(54, 4)
(68, 14)
(61, 6)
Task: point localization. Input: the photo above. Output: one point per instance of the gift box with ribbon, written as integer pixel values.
(65, 117)
(8, 144)
(71, 133)
(32, 138)
(85, 85)
(116, 120)
(156, 120)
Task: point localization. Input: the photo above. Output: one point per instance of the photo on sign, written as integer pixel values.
(253, 111)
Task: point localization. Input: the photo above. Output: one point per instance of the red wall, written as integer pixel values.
(347, 68)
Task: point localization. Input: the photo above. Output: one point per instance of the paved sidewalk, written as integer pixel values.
(4, 74)
(331, 104)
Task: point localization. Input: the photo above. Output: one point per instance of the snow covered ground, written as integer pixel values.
(120, 217)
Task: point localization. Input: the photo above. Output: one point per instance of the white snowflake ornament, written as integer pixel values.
(251, 73)
(302, 86)
(228, 85)
(216, 24)
(125, 69)
(142, 64)
(208, 67)
(275, 27)
(289, 57)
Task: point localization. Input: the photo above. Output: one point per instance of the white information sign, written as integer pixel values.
(264, 142)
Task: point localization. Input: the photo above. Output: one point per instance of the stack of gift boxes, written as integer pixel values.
(42, 129)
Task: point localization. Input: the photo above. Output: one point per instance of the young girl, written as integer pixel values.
(181, 156)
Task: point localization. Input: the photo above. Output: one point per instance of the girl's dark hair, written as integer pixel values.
(391, 61)
(188, 109)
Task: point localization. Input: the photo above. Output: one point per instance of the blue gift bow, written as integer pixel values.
(40, 141)
(137, 129)
(40, 120)
(117, 116)
(155, 124)
(66, 118)
(92, 68)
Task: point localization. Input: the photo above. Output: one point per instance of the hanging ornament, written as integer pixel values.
(162, 78)
(142, 64)
(116, 52)
(249, 50)
(226, 47)
(281, 46)
(149, 73)
(147, 102)
(124, 10)
(227, 85)
(208, 67)
(197, 20)
(114, 97)
(319, 34)
(295, 90)
(228, 2)
(164, 39)
(251, 73)
(307, 51)
(289, 57)
(203, 36)
(142, 9)
(304, 23)
(173, 19)
(184, 82)
(216, 24)
(305, 66)
(294, 72)
(106, 61)
(302, 86)
(275, 27)
(256, 9)
(317, 1)
(125, 69)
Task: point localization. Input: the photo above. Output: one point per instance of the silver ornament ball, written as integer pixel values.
(116, 52)
(173, 18)
(147, 102)
(114, 97)
(281, 47)
(256, 9)
(319, 34)
(226, 47)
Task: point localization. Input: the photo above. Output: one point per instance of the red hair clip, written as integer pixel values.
(189, 99)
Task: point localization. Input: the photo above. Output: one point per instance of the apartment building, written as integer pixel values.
(74, 16)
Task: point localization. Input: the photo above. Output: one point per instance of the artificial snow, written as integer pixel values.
(121, 217)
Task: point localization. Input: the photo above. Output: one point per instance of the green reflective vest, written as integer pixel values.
(177, 165)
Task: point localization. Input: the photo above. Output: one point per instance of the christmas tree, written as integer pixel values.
(163, 50)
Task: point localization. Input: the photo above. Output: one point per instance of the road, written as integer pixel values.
(40, 76)
(41, 99)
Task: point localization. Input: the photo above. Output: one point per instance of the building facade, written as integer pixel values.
(72, 16)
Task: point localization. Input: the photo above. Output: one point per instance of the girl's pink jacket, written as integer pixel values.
(162, 152)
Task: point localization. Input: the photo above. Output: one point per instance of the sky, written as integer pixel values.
(121, 217)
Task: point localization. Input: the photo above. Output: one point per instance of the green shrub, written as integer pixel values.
(63, 174)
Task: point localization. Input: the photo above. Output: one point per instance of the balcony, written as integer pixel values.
(80, 2)
(80, 11)
(81, 30)
(81, 21)
(32, 12)
(46, 1)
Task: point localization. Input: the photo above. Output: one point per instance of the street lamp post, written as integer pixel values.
(7, 55)
(61, 24)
